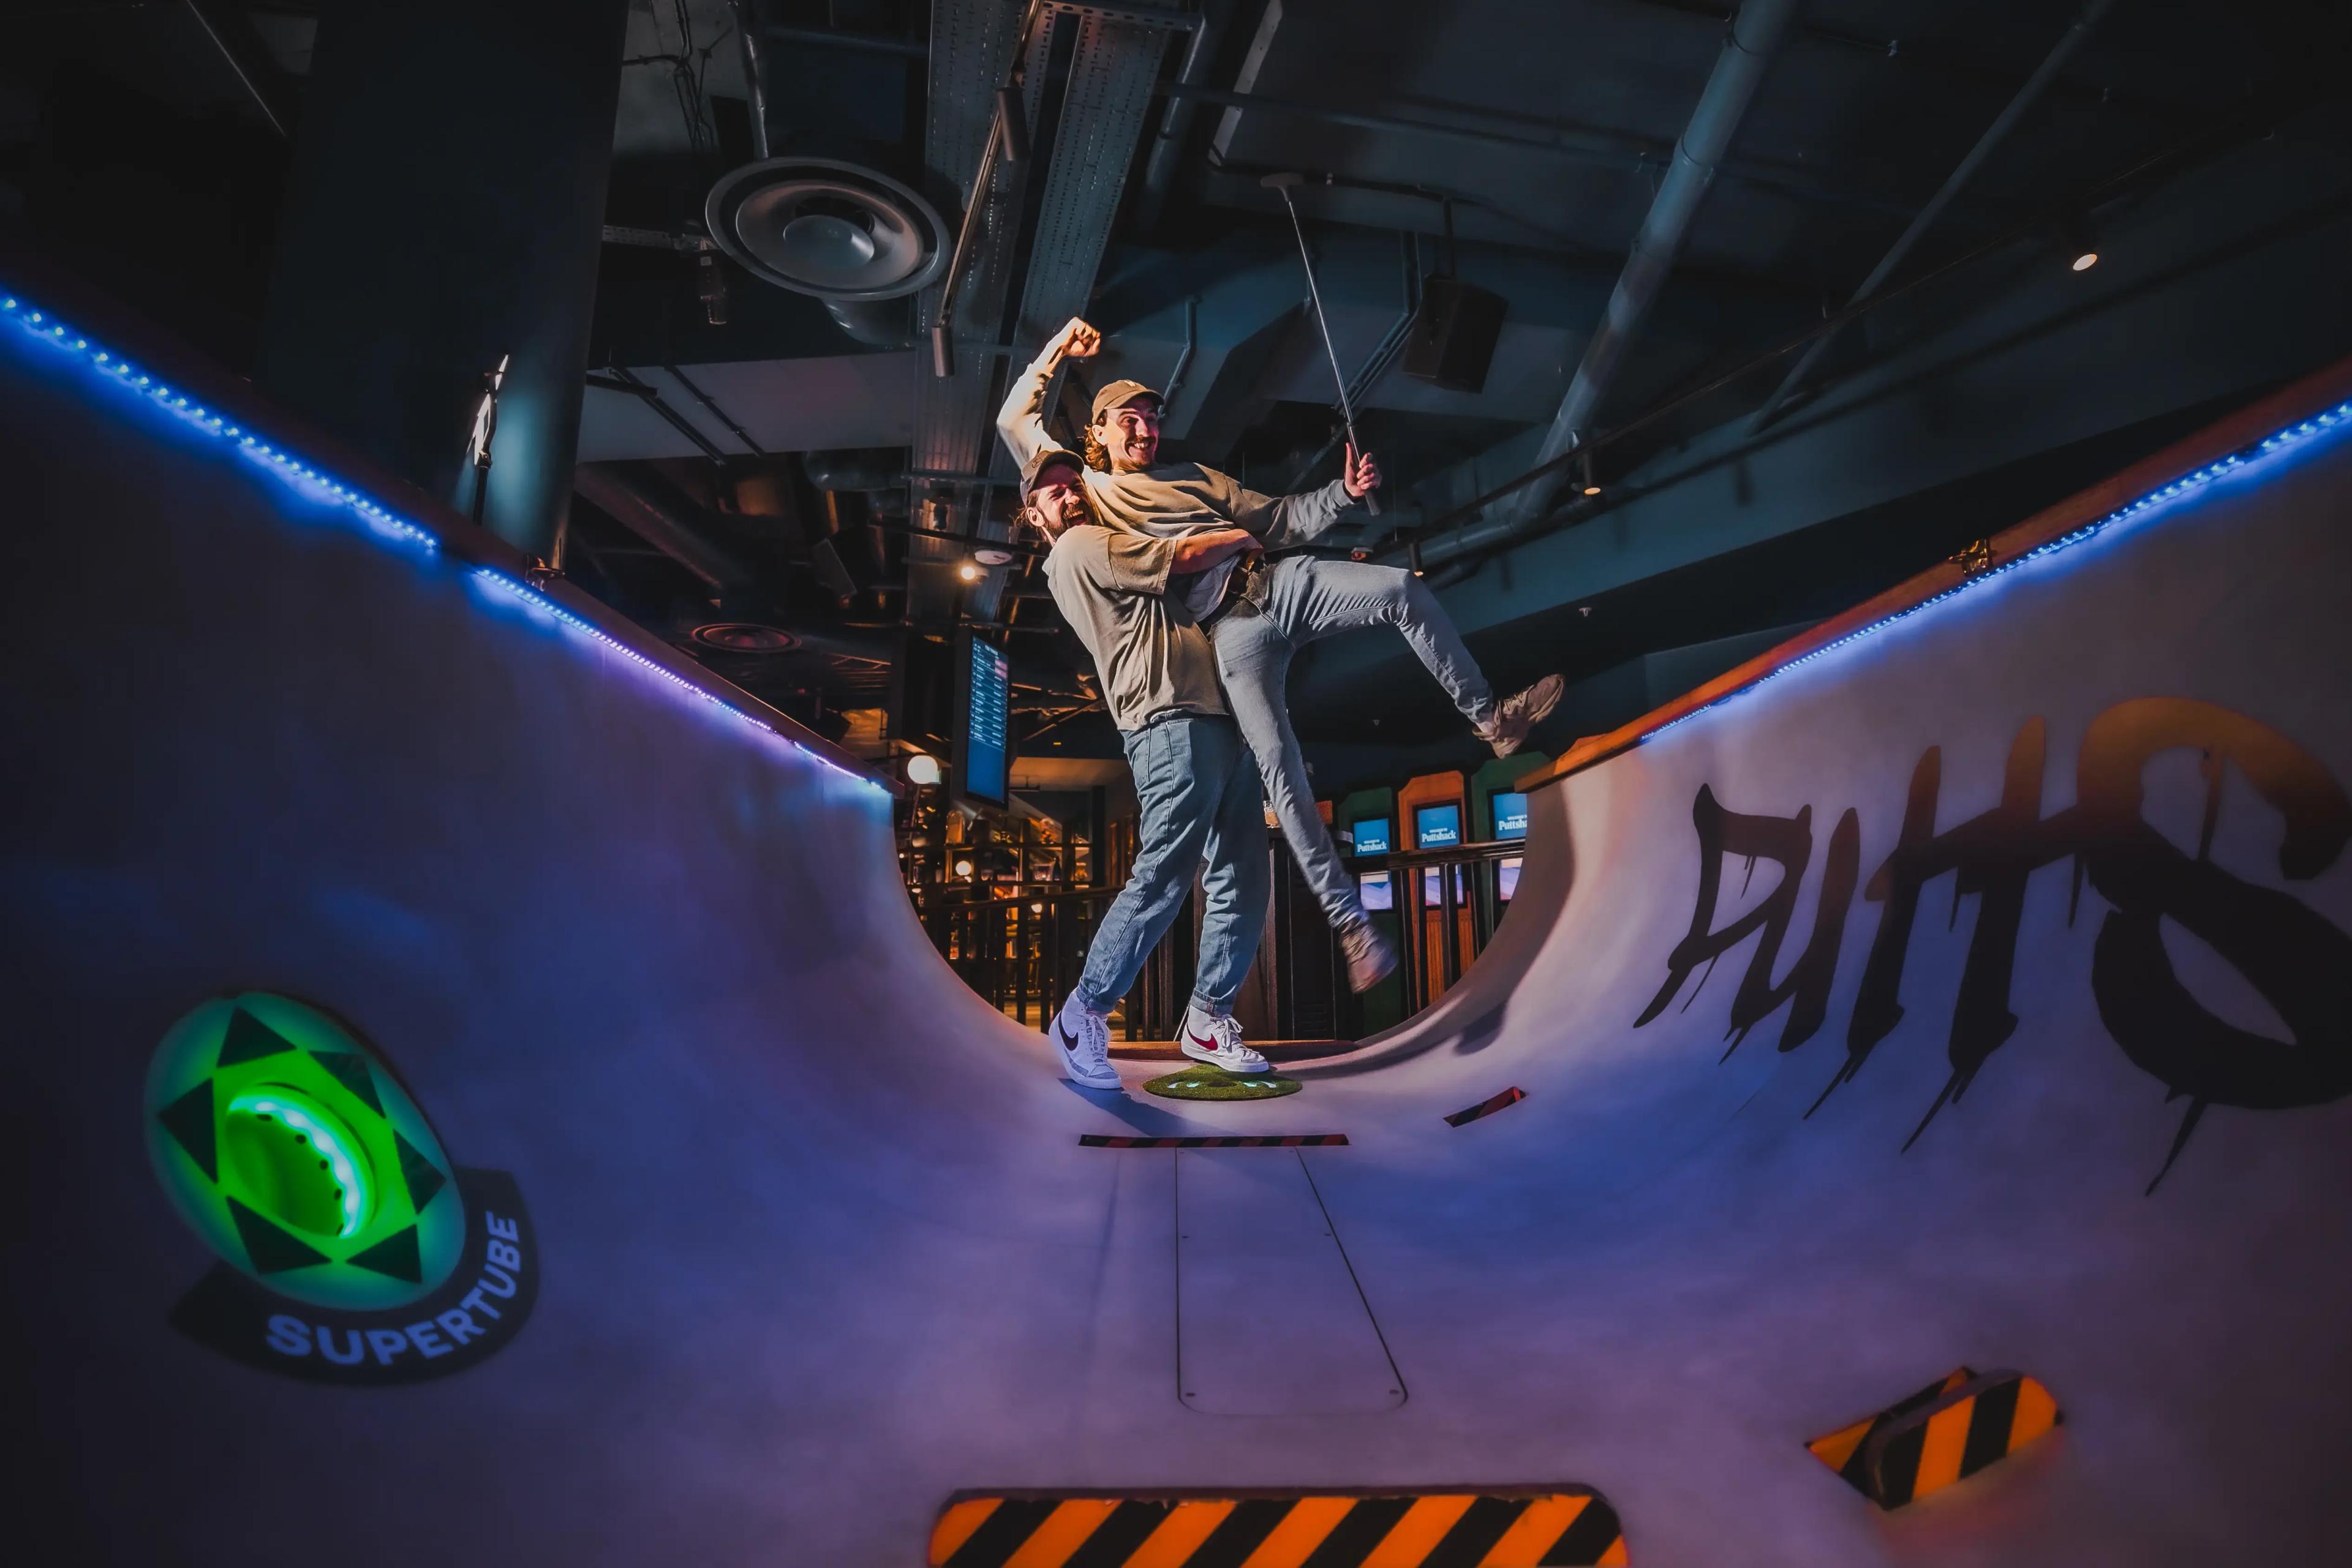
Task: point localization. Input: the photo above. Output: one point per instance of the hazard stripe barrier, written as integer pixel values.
(1291, 1141)
(1953, 1428)
(1318, 1530)
(1509, 1096)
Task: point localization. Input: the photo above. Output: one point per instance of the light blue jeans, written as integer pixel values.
(1308, 597)
(1197, 787)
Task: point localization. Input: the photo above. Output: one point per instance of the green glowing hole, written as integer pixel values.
(294, 1160)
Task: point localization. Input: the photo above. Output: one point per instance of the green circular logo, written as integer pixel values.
(287, 1146)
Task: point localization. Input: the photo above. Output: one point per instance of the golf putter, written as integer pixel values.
(1285, 183)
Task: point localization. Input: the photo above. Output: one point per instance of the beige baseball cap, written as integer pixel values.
(1117, 395)
(1046, 457)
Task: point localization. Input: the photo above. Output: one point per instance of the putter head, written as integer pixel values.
(1283, 182)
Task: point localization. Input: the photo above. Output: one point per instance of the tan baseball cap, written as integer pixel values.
(1117, 395)
(1046, 457)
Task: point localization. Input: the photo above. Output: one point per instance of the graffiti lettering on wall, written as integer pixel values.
(2299, 961)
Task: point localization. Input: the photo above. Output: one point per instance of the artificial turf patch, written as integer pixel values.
(1205, 1082)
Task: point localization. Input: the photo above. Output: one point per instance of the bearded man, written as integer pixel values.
(1258, 616)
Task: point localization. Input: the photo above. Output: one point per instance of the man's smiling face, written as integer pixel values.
(1130, 434)
(1057, 500)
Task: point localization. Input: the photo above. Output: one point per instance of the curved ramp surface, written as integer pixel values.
(817, 1246)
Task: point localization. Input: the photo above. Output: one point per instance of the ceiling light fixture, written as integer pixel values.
(2081, 249)
(1590, 486)
(970, 572)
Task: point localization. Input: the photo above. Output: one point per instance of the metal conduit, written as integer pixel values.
(1999, 129)
(1747, 49)
(747, 33)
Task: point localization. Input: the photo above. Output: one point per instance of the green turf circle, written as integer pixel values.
(1214, 1083)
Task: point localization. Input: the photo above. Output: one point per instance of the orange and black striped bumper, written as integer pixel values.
(1268, 1141)
(1953, 1428)
(1390, 1529)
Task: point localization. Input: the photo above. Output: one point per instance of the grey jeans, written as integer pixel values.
(1197, 785)
(1305, 598)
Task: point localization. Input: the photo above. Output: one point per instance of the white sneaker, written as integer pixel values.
(1521, 711)
(1083, 1036)
(1218, 1042)
(1370, 959)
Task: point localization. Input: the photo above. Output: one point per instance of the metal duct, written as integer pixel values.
(1176, 125)
(1087, 82)
(664, 521)
(1747, 49)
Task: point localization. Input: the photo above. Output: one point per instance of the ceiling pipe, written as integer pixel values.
(1451, 535)
(1176, 125)
(836, 39)
(660, 521)
(1748, 46)
(747, 33)
(1603, 149)
(232, 33)
(2003, 123)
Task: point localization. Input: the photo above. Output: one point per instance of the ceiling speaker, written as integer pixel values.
(1454, 335)
(823, 226)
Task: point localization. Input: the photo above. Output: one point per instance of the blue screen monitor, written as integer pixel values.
(1378, 892)
(1436, 827)
(1372, 836)
(1506, 879)
(983, 759)
(1510, 814)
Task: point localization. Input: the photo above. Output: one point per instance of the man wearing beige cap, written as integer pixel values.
(1257, 615)
(1195, 779)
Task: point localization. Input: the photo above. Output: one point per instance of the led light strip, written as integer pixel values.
(2236, 463)
(340, 1162)
(45, 327)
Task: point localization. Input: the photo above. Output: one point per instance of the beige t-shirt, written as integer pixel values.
(1153, 658)
(1170, 500)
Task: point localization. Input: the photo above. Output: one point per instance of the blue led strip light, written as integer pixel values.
(45, 327)
(2236, 463)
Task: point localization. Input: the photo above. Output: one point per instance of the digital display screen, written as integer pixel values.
(1372, 837)
(1378, 892)
(1434, 826)
(1506, 879)
(1510, 814)
(987, 702)
(1432, 895)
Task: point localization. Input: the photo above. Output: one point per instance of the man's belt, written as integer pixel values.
(1241, 584)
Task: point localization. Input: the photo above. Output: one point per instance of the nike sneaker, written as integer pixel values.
(1083, 1036)
(1218, 1042)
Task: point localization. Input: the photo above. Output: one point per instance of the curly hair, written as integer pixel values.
(1096, 454)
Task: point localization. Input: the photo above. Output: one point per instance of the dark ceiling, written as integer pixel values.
(138, 139)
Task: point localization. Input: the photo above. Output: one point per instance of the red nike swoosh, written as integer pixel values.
(1204, 1045)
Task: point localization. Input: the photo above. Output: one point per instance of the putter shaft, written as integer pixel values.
(1315, 297)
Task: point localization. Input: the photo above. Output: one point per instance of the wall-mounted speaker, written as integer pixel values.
(1453, 333)
(828, 227)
